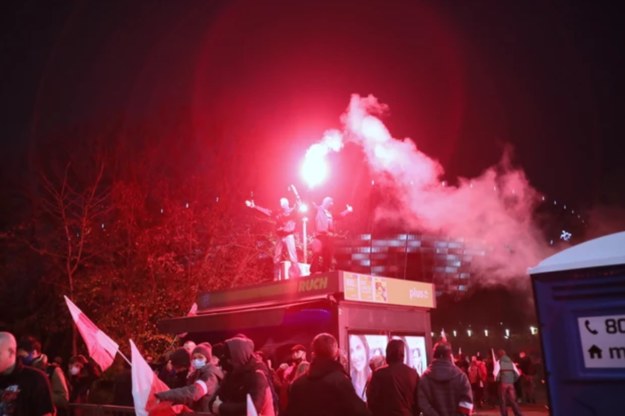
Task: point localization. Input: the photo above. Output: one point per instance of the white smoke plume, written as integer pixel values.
(494, 210)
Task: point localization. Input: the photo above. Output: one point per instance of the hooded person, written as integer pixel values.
(444, 389)
(202, 383)
(245, 374)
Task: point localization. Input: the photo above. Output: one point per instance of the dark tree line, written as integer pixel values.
(129, 236)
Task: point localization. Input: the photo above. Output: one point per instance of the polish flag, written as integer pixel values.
(144, 383)
(100, 346)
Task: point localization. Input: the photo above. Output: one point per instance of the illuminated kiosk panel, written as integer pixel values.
(279, 314)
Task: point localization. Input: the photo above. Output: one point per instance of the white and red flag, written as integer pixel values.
(144, 383)
(100, 346)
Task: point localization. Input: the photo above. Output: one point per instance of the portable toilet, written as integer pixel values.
(580, 304)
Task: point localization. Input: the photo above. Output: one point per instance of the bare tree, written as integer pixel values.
(69, 213)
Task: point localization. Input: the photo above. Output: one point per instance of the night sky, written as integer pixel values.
(265, 79)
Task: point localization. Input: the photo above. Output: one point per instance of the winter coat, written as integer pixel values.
(393, 391)
(248, 376)
(58, 382)
(325, 391)
(199, 391)
(444, 390)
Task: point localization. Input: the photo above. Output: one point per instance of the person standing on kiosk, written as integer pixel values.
(323, 247)
(285, 231)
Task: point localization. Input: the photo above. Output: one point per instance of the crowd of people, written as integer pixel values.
(32, 385)
(218, 379)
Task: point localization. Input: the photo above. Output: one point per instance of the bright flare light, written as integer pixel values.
(315, 168)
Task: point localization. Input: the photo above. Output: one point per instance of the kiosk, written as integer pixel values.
(363, 312)
(580, 304)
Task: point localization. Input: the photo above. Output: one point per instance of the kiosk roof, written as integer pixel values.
(604, 251)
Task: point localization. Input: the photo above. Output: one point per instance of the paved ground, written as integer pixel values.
(526, 410)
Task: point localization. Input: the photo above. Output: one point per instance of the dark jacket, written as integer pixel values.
(199, 391)
(443, 388)
(25, 391)
(248, 376)
(81, 383)
(393, 391)
(325, 391)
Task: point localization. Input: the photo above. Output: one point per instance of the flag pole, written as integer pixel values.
(124, 357)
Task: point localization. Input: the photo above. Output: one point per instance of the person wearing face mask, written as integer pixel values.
(82, 375)
(202, 383)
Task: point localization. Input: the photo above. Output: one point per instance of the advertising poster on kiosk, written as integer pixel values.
(363, 347)
(415, 356)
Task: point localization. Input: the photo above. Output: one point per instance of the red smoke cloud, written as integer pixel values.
(494, 210)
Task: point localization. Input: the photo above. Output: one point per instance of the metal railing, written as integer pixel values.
(112, 410)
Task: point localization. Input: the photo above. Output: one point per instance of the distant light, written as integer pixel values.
(469, 332)
(486, 332)
(372, 182)
(533, 330)
(216, 199)
(444, 184)
(186, 205)
(102, 225)
(454, 333)
(162, 210)
(543, 198)
(507, 333)
(565, 235)
(303, 208)
(555, 202)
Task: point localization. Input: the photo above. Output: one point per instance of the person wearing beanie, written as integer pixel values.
(202, 383)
